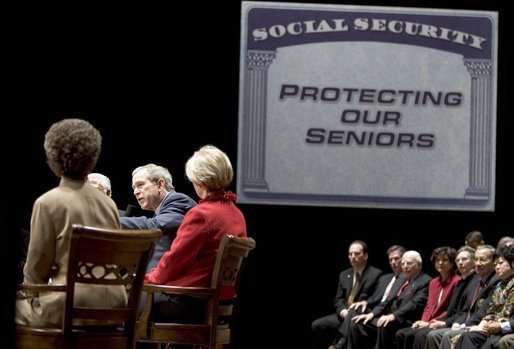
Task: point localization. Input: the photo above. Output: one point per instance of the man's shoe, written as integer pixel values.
(341, 344)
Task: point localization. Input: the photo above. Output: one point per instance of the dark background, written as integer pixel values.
(154, 90)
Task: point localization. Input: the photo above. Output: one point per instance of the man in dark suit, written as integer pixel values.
(384, 285)
(402, 306)
(154, 191)
(479, 296)
(355, 284)
(494, 324)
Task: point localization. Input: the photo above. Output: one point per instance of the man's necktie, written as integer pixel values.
(354, 288)
(478, 289)
(402, 288)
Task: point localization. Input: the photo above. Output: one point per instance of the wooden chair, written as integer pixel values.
(215, 332)
(121, 258)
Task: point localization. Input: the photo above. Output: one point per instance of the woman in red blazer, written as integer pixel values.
(191, 257)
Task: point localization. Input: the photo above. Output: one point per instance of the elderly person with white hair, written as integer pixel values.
(403, 306)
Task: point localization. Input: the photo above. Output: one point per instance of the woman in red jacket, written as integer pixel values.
(191, 257)
(440, 291)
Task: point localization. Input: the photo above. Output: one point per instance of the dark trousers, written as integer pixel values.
(179, 309)
(405, 337)
(371, 336)
(421, 338)
(344, 328)
(476, 339)
(324, 331)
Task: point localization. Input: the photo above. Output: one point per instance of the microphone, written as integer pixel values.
(130, 211)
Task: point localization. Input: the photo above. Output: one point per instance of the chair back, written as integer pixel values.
(216, 329)
(106, 258)
(230, 260)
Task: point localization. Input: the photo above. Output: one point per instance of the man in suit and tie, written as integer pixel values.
(495, 322)
(154, 191)
(479, 296)
(385, 283)
(400, 309)
(355, 283)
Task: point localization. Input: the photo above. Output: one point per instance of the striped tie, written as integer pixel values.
(354, 288)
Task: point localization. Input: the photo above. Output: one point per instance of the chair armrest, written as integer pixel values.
(179, 290)
(31, 290)
(42, 287)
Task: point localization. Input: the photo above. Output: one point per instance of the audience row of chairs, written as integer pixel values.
(119, 257)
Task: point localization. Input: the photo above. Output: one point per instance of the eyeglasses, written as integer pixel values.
(482, 259)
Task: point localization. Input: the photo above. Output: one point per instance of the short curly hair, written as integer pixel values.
(72, 148)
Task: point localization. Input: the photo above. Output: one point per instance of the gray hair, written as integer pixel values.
(103, 180)
(155, 172)
(489, 248)
(414, 255)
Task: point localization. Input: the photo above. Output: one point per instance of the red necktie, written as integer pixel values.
(474, 299)
(402, 288)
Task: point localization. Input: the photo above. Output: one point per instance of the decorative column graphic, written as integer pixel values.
(254, 130)
(480, 134)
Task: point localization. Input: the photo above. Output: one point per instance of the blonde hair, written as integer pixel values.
(210, 167)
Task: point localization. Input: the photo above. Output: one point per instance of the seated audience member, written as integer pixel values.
(440, 291)
(72, 147)
(355, 283)
(400, 309)
(495, 322)
(191, 257)
(100, 182)
(505, 241)
(461, 297)
(384, 285)
(103, 183)
(154, 191)
(480, 299)
(474, 239)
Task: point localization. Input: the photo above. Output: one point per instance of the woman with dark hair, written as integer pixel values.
(440, 291)
(72, 147)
